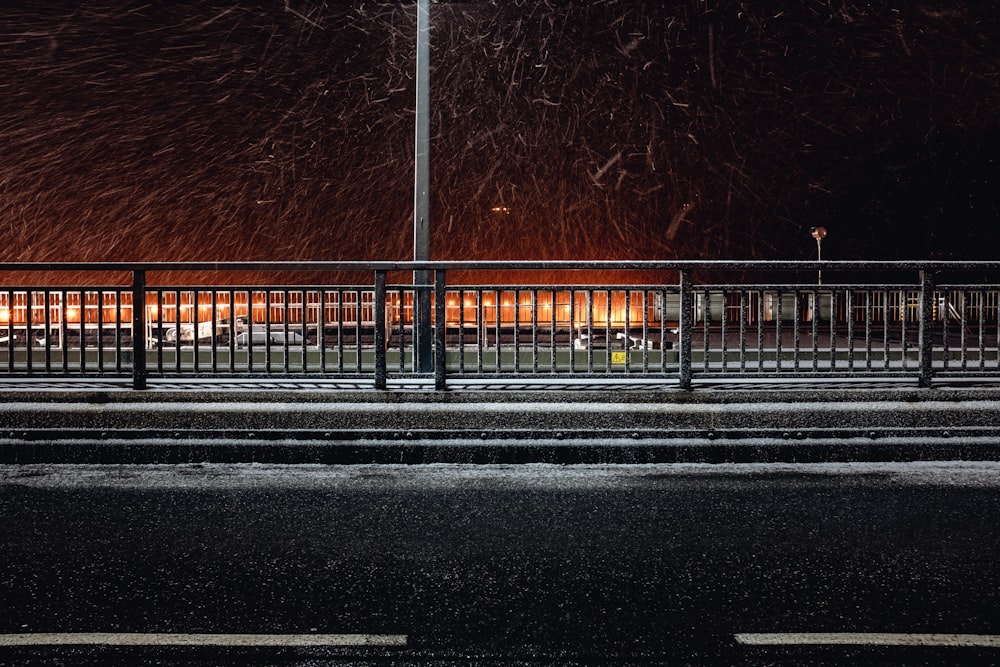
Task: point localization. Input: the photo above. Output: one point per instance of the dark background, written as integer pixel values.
(688, 129)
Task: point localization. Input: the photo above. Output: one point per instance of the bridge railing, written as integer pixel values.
(699, 320)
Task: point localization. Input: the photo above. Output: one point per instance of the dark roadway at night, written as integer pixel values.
(501, 565)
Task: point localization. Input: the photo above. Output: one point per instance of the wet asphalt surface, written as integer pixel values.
(498, 565)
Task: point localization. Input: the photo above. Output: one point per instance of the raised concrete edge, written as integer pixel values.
(580, 426)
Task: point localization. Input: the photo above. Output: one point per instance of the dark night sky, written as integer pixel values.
(615, 130)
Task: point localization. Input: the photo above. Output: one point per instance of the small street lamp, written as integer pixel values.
(819, 233)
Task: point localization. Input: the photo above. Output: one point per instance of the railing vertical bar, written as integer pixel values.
(47, 346)
(195, 329)
(534, 330)
(796, 330)
(177, 331)
(517, 331)
(159, 329)
(29, 333)
(628, 340)
(498, 298)
(996, 319)
(574, 333)
(760, 332)
(924, 332)
(869, 313)
(358, 316)
(944, 303)
(440, 331)
(980, 330)
(461, 331)
(10, 331)
(286, 296)
(850, 329)
(885, 330)
(100, 332)
(814, 317)
(321, 325)
(481, 329)
(589, 301)
(663, 330)
(213, 329)
(231, 343)
(607, 329)
(706, 314)
(685, 324)
(724, 331)
(340, 330)
(553, 309)
(381, 344)
(83, 332)
(301, 347)
(645, 331)
(744, 305)
(119, 327)
(904, 307)
(138, 330)
(963, 329)
(778, 329)
(833, 330)
(251, 297)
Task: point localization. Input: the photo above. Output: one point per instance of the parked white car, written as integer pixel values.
(262, 338)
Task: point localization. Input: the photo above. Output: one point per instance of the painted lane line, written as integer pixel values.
(181, 639)
(866, 639)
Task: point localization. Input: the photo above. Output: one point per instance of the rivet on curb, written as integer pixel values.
(946, 434)
(872, 434)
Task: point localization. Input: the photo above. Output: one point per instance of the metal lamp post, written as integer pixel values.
(421, 196)
(819, 233)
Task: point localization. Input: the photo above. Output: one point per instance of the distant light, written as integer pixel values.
(505, 210)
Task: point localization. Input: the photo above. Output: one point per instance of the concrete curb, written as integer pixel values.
(291, 426)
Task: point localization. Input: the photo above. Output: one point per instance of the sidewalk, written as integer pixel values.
(489, 421)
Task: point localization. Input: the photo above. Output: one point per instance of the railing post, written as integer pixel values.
(925, 338)
(684, 323)
(139, 329)
(440, 329)
(381, 319)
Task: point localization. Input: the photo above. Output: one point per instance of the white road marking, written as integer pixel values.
(181, 639)
(866, 639)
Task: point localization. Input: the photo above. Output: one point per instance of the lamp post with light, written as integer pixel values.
(819, 233)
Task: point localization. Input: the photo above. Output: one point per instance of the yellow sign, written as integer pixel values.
(618, 357)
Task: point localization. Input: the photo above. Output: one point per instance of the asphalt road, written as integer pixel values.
(491, 565)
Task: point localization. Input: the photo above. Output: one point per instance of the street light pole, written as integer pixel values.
(421, 196)
(819, 233)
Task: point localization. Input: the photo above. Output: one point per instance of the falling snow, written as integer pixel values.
(560, 130)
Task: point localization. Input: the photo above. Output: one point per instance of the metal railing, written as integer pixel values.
(703, 320)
